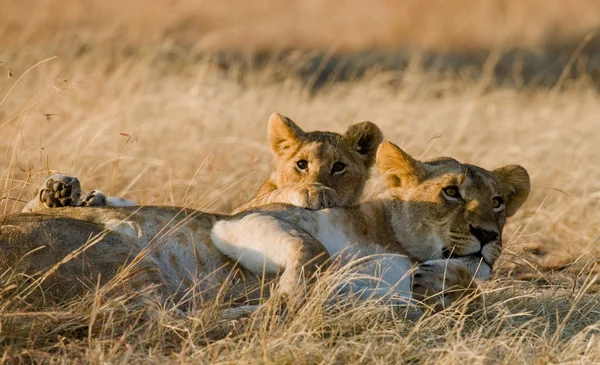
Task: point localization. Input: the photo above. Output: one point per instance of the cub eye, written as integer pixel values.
(451, 192)
(338, 167)
(302, 165)
(497, 203)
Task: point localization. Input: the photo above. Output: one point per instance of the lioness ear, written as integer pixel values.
(283, 133)
(364, 137)
(398, 167)
(516, 185)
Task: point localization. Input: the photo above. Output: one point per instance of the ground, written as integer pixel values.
(162, 123)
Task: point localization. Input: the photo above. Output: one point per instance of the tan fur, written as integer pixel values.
(411, 222)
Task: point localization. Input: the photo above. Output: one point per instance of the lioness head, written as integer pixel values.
(450, 209)
(340, 162)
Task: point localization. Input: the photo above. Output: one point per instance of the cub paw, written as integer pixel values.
(94, 198)
(314, 196)
(439, 283)
(60, 191)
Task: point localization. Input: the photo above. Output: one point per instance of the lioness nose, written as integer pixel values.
(483, 235)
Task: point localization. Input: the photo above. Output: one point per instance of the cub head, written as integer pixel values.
(340, 162)
(442, 208)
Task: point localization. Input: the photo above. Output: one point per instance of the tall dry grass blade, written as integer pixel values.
(569, 66)
(23, 75)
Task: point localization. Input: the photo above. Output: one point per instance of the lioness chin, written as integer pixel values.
(443, 216)
(310, 169)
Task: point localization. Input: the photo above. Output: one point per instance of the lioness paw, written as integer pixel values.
(60, 191)
(57, 191)
(439, 283)
(314, 196)
(94, 198)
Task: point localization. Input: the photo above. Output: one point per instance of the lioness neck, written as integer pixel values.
(364, 229)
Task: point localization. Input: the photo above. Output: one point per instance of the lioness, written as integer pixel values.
(446, 216)
(311, 169)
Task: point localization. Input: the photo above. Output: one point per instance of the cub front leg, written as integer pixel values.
(57, 191)
(439, 283)
(266, 245)
(306, 195)
(309, 195)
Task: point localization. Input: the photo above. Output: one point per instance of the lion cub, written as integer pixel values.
(317, 170)
(313, 170)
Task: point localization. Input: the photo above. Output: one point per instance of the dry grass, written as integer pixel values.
(181, 130)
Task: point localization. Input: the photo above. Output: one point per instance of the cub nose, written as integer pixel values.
(483, 235)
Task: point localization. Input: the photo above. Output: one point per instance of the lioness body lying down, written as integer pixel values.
(310, 169)
(431, 211)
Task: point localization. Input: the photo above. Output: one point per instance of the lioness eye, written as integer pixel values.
(497, 202)
(302, 164)
(338, 166)
(452, 192)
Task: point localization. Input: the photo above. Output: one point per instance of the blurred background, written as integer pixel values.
(529, 41)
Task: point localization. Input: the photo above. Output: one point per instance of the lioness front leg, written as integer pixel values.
(439, 283)
(57, 191)
(65, 191)
(96, 198)
(266, 245)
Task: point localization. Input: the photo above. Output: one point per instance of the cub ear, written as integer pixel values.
(398, 167)
(364, 137)
(283, 133)
(515, 184)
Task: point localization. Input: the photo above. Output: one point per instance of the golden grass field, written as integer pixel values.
(138, 106)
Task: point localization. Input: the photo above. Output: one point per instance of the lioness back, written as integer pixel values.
(317, 169)
(160, 253)
(70, 250)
